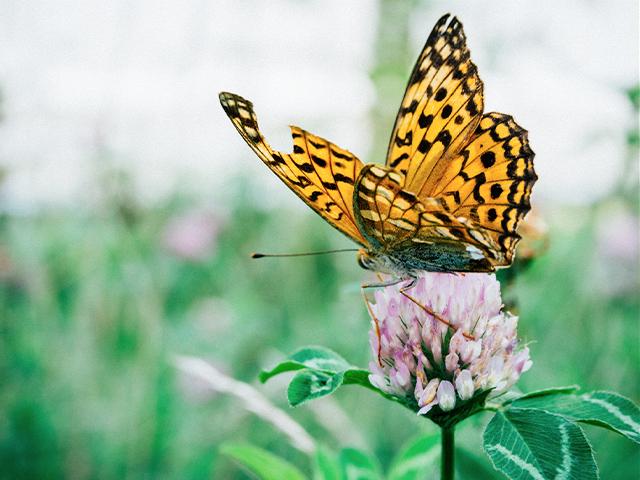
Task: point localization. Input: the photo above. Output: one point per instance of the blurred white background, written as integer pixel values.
(137, 82)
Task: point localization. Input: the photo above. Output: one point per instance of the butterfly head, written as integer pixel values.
(365, 260)
(377, 262)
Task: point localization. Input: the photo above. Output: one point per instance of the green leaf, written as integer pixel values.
(320, 372)
(413, 460)
(534, 444)
(314, 358)
(357, 465)
(547, 391)
(326, 465)
(309, 384)
(261, 463)
(470, 465)
(603, 409)
(286, 366)
(358, 376)
(320, 358)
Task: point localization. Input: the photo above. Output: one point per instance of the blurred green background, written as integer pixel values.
(95, 301)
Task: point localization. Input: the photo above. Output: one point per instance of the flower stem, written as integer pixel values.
(447, 471)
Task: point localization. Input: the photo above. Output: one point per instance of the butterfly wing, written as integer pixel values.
(441, 108)
(419, 234)
(490, 181)
(319, 172)
(480, 166)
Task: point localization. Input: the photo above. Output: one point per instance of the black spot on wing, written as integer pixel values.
(337, 154)
(410, 108)
(471, 107)
(305, 167)
(408, 196)
(440, 94)
(444, 218)
(496, 190)
(399, 159)
(424, 121)
(407, 140)
(444, 137)
(424, 146)
(315, 195)
(321, 162)
(480, 179)
(302, 182)
(488, 159)
(338, 177)
(277, 158)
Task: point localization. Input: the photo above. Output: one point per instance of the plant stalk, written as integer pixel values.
(447, 471)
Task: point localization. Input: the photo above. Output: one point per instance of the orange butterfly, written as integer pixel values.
(456, 183)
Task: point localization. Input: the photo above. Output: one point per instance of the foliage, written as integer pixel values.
(532, 436)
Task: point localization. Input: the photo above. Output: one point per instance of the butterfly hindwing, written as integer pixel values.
(490, 181)
(319, 172)
(420, 233)
(442, 106)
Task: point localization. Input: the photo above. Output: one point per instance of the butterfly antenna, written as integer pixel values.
(265, 255)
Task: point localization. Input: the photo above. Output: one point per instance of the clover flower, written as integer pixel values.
(445, 342)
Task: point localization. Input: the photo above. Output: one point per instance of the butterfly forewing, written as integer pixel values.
(442, 106)
(319, 172)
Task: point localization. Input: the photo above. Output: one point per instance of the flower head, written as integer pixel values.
(445, 341)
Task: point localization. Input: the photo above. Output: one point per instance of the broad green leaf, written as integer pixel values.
(320, 358)
(413, 461)
(470, 465)
(326, 465)
(547, 391)
(261, 463)
(604, 409)
(534, 444)
(357, 465)
(358, 376)
(314, 358)
(286, 366)
(310, 384)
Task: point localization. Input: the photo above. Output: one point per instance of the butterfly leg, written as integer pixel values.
(434, 314)
(410, 285)
(382, 284)
(376, 325)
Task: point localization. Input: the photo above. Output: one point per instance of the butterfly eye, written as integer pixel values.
(364, 260)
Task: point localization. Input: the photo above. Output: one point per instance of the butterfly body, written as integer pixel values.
(395, 247)
(455, 185)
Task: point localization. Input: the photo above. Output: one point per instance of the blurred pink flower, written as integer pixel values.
(192, 235)
(459, 345)
(618, 236)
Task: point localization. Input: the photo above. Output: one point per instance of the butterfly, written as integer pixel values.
(455, 185)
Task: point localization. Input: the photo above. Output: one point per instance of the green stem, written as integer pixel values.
(447, 471)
